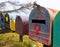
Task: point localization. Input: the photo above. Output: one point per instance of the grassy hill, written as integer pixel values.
(12, 40)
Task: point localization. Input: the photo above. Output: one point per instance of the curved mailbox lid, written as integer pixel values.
(22, 27)
(39, 25)
(56, 30)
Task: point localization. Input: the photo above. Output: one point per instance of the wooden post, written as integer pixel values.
(21, 38)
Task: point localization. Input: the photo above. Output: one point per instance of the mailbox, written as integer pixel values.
(7, 21)
(18, 23)
(21, 27)
(1, 21)
(56, 30)
(4, 23)
(39, 25)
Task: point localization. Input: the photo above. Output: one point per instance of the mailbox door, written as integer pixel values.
(56, 31)
(19, 25)
(39, 25)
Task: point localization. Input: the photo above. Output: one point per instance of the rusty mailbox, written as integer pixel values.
(21, 26)
(39, 25)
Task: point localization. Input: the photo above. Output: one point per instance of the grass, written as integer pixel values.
(12, 40)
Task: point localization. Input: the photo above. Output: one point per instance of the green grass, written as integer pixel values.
(12, 40)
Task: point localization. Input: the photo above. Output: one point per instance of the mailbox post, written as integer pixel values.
(39, 26)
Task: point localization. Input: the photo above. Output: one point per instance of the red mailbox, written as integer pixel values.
(22, 27)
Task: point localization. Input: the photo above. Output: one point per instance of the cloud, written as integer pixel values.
(54, 4)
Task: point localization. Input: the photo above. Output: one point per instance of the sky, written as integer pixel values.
(53, 4)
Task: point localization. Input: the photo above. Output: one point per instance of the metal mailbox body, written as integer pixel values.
(39, 25)
(19, 25)
(56, 30)
(4, 25)
(22, 27)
